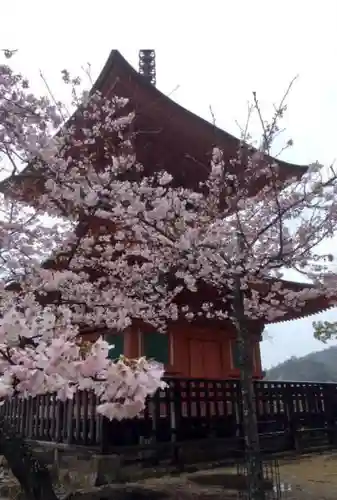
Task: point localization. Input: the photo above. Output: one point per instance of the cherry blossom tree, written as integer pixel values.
(47, 295)
(89, 241)
(40, 337)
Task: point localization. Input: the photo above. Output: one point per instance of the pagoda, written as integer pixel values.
(173, 139)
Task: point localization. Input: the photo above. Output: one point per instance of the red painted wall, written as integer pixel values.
(206, 353)
(196, 352)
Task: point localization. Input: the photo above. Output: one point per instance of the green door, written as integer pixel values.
(157, 346)
(116, 341)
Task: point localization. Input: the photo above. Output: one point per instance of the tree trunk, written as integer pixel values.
(33, 476)
(250, 427)
(252, 444)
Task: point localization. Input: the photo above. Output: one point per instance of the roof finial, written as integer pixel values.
(147, 65)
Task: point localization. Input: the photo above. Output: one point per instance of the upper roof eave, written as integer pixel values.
(116, 62)
(117, 69)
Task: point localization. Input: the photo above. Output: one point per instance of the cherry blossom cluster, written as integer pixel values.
(43, 353)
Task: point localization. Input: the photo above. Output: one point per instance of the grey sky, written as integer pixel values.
(208, 54)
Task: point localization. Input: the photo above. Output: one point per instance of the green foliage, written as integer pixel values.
(325, 330)
(315, 367)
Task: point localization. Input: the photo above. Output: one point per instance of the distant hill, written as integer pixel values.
(318, 366)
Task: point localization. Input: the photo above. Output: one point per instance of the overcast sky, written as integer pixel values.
(209, 54)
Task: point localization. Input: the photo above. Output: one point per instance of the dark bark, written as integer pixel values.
(250, 427)
(33, 476)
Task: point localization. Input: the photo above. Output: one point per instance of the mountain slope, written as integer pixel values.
(318, 366)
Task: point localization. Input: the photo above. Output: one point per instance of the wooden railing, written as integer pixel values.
(44, 418)
(189, 409)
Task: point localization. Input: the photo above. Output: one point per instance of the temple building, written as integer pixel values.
(172, 138)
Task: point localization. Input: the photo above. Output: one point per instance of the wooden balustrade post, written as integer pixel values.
(330, 411)
(291, 423)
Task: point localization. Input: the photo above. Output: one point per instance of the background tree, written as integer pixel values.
(325, 330)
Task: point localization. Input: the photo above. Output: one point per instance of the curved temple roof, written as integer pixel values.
(175, 138)
(168, 137)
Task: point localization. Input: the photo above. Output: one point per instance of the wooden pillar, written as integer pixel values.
(131, 343)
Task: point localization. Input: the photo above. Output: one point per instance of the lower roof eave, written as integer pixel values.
(300, 316)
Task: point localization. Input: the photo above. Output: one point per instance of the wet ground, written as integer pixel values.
(311, 477)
